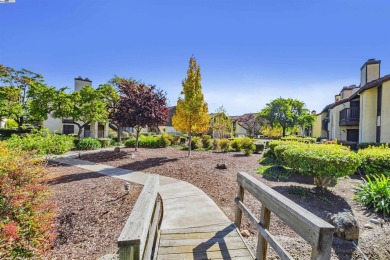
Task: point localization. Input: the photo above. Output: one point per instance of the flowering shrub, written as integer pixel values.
(375, 160)
(26, 216)
(42, 142)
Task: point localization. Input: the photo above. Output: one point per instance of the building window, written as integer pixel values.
(68, 129)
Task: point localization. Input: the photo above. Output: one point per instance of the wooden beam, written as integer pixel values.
(240, 196)
(265, 220)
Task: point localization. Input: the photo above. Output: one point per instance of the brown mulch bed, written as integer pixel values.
(92, 210)
(200, 170)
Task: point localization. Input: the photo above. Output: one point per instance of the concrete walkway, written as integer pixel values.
(187, 209)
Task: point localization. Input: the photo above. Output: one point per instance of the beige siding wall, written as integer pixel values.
(368, 100)
(385, 118)
(240, 131)
(317, 125)
(335, 132)
(372, 72)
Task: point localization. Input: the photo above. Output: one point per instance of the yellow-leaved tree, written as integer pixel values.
(191, 111)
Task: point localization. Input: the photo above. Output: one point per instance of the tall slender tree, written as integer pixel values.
(191, 111)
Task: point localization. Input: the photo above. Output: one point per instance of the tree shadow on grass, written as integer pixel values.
(148, 163)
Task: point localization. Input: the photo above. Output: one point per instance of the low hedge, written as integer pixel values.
(325, 162)
(299, 139)
(375, 160)
(149, 142)
(225, 144)
(88, 144)
(367, 145)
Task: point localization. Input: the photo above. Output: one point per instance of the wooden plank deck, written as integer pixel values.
(209, 242)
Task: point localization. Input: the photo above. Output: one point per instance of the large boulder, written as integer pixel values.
(346, 225)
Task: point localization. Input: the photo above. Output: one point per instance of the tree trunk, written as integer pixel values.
(284, 131)
(136, 138)
(20, 124)
(189, 144)
(119, 133)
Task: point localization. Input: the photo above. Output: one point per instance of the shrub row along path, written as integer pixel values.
(193, 226)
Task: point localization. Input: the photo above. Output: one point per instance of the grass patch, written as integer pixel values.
(275, 172)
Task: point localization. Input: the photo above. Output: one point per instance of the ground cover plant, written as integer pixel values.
(375, 193)
(26, 216)
(375, 160)
(41, 142)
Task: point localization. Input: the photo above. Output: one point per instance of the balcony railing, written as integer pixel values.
(349, 116)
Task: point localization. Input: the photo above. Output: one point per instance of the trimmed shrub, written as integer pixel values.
(259, 147)
(216, 145)
(366, 145)
(165, 140)
(26, 214)
(375, 193)
(149, 142)
(299, 139)
(11, 124)
(375, 160)
(225, 145)
(236, 144)
(207, 142)
(105, 142)
(42, 142)
(326, 163)
(247, 145)
(88, 144)
(196, 143)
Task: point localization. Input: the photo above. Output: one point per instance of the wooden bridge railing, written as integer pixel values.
(140, 235)
(317, 232)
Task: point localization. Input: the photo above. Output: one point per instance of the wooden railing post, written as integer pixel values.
(324, 249)
(240, 196)
(265, 219)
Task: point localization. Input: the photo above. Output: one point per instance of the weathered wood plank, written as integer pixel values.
(137, 225)
(264, 233)
(200, 248)
(324, 248)
(302, 221)
(262, 245)
(196, 242)
(152, 232)
(222, 234)
(224, 254)
(240, 195)
(214, 228)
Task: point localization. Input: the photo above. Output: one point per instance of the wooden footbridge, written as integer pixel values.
(142, 237)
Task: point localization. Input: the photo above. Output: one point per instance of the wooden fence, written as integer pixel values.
(317, 232)
(141, 233)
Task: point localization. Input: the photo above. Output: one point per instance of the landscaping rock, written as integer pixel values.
(117, 149)
(346, 225)
(369, 226)
(221, 166)
(245, 233)
(375, 221)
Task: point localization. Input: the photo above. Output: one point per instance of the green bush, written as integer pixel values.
(115, 143)
(366, 145)
(375, 160)
(42, 142)
(216, 145)
(325, 162)
(88, 144)
(207, 142)
(259, 147)
(10, 124)
(165, 140)
(105, 142)
(27, 215)
(148, 142)
(224, 144)
(299, 139)
(247, 145)
(196, 143)
(375, 193)
(236, 144)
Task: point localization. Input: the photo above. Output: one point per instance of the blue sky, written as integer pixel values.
(250, 52)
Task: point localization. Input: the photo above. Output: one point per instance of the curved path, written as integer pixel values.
(193, 226)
